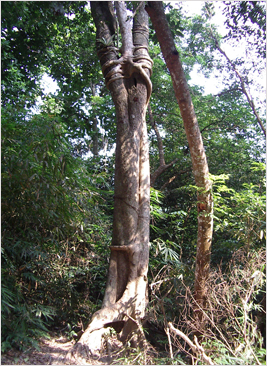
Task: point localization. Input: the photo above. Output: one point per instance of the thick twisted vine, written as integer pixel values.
(125, 66)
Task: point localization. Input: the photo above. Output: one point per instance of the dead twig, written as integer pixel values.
(196, 347)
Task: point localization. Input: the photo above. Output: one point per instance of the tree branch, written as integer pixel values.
(196, 347)
(243, 87)
(162, 165)
(125, 28)
(173, 178)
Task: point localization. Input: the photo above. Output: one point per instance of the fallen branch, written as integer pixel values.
(196, 347)
(169, 340)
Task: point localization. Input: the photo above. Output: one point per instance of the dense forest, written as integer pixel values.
(133, 197)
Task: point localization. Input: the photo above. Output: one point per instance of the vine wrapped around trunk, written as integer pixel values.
(128, 78)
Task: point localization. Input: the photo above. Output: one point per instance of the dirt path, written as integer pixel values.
(52, 352)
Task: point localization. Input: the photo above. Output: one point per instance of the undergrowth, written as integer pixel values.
(235, 314)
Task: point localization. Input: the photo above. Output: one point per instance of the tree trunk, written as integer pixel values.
(95, 127)
(199, 161)
(162, 165)
(128, 79)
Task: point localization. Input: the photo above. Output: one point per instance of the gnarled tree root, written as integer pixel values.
(122, 317)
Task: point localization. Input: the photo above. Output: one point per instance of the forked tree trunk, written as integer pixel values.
(199, 161)
(128, 79)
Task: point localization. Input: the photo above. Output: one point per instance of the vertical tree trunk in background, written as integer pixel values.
(128, 79)
(95, 128)
(199, 161)
(162, 165)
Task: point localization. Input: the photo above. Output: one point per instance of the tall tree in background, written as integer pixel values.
(198, 156)
(128, 79)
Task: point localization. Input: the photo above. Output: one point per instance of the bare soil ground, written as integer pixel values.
(51, 351)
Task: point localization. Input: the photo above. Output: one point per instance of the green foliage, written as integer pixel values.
(175, 20)
(74, 65)
(164, 248)
(25, 46)
(239, 217)
(49, 211)
(156, 212)
(162, 251)
(247, 19)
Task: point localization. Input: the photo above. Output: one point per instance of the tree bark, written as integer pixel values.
(95, 127)
(199, 161)
(128, 79)
(162, 165)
